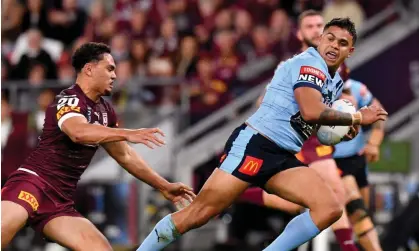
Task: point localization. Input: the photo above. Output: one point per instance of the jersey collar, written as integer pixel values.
(90, 102)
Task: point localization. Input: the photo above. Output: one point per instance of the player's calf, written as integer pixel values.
(304, 186)
(194, 216)
(359, 216)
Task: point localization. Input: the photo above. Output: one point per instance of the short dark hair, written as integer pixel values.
(88, 52)
(307, 13)
(344, 23)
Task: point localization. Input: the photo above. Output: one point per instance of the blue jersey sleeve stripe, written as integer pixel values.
(307, 84)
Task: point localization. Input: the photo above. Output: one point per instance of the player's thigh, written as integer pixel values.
(328, 171)
(351, 187)
(304, 186)
(219, 192)
(13, 218)
(76, 233)
(301, 185)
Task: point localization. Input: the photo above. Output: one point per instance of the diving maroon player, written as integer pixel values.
(41, 192)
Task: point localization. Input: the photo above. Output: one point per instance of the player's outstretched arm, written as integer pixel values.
(372, 148)
(314, 111)
(377, 133)
(82, 132)
(135, 165)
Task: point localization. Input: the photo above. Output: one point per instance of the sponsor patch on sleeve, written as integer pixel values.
(311, 75)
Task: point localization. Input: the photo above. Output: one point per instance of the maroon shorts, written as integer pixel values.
(39, 198)
(313, 150)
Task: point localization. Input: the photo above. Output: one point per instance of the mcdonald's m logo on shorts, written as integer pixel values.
(251, 166)
(29, 198)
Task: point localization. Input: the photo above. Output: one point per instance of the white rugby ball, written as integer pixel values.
(331, 135)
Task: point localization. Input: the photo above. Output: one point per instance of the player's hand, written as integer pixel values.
(180, 194)
(372, 153)
(353, 131)
(146, 136)
(372, 114)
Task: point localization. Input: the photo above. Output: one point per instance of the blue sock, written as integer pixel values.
(162, 235)
(298, 231)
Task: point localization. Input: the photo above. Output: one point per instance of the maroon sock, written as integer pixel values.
(344, 237)
(252, 195)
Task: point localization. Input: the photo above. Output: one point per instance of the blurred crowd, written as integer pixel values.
(218, 48)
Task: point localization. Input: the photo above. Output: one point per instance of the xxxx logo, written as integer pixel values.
(29, 198)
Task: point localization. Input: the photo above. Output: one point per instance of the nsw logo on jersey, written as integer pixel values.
(312, 75)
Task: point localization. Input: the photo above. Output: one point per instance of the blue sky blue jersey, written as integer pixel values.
(278, 117)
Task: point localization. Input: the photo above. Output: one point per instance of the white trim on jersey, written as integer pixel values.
(67, 116)
(27, 170)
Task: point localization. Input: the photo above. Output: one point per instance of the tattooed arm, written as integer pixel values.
(315, 112)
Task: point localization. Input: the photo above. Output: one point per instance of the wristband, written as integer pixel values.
(356, 118)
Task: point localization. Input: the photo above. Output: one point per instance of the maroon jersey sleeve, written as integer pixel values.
(69, 106)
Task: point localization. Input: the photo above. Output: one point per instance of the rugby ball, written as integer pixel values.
(331, 135)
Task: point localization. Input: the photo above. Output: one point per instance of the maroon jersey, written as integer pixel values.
(312, 150)
(57, 159)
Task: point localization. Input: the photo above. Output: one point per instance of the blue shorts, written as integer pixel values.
(253, 158)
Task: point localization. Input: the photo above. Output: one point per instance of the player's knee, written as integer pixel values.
(332, 209)
(335, 212)
(359, 217)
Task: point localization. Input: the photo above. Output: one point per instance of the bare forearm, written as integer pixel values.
(333, 117)
(97, 134)
(377, 132)
(137, 167)
(328, 116)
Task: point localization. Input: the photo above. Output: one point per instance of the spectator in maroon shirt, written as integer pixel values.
(224, 20)
(260, 10)
(36, 16)
(168, 42)
(243, 26)
(261, 62)
(161, 67)
(139, 54)
(184, 14)
(68, 23)
(207, 93)
(208, 10)
(120, 47)
(187, 57)
(97, 23)
(140, 28)
(283, 35)
(123, 11)
(204, 37)
(227, 59)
